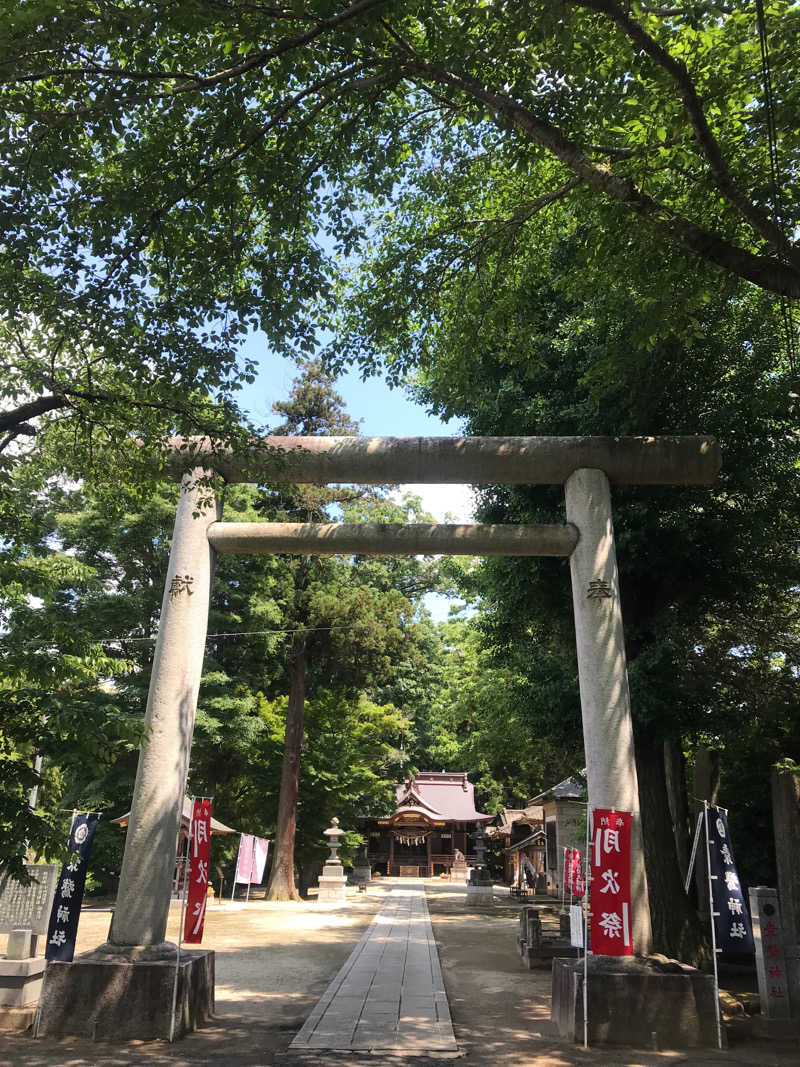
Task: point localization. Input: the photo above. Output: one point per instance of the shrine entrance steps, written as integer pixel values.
(389, 995)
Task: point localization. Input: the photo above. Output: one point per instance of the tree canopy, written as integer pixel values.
(171, 170)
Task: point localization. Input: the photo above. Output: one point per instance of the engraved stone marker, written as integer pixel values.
(28, 906)
(770, 961)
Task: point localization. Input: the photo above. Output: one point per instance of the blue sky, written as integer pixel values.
(385, 413)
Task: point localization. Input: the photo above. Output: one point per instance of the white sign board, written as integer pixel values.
(576, 925)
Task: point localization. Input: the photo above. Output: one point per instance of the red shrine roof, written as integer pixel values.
(440, 796)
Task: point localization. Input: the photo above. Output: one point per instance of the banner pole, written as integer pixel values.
(713, 927)
(587, 881)
(180, 931)
(37, 1018)
(236, 869)
(693, 856)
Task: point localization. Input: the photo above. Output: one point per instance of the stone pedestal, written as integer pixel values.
(360, 876)
(642, 1003)
(332, 884)
(458, 871)
(480, 895)
(20, 980)
(536, 952)
(120, 1000)
(20, 988)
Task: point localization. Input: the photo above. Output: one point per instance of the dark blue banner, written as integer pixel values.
(731, 918)
(63, 929)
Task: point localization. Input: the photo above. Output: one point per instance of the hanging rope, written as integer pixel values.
(411, 838)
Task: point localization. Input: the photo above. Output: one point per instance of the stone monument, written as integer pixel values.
(332, 881)
(362, 872)
(24, 915)
(458, 872)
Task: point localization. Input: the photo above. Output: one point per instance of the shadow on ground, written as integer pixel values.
(274, 961)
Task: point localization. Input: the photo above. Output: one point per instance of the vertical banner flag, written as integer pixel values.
(244, 861)
(573, 872)
(731, 918)
(578, 886)
(198, 872)
(611, 883)
(260, 850)
(63, 928)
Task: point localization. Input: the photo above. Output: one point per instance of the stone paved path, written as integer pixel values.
(390, 993)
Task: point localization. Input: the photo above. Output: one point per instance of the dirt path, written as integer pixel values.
(275, 960)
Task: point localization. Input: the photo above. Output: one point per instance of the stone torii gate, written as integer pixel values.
(585, 466)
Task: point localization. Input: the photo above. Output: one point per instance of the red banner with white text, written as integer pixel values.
(199, 850)
(611, 927)
(573, 872)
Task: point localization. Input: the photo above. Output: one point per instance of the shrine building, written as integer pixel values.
(430, 831)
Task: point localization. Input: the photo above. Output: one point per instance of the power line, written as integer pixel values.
(209, 637)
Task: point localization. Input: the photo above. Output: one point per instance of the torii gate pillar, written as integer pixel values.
(603, 674)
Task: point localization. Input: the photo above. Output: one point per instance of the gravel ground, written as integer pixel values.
(275, 960)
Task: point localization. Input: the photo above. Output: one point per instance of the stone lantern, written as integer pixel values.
(332, 880)
(479, 888)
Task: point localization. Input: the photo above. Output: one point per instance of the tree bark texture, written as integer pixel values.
(786, 822)
(675, 768)
(281, 883)
(676, 930)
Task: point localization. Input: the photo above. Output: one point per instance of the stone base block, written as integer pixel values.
(21, 981)
(635, 1002)
(332, 890)
(775, 1028)
(480, 895)
(360, 876)
(16, 1018)
(539, 956)
(120, 1000)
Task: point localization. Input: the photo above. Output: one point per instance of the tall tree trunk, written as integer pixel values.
(676, 930)
(281, 882)
(675, 768)
(786, 824)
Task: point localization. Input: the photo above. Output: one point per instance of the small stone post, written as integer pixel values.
(140, 918)
(332, 881)
(603, 674)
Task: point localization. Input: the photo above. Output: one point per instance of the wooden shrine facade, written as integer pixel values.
(430, 831)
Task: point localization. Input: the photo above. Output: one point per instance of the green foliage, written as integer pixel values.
(77, 660)
(59, 686)
(171, 169)
(510, 723)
